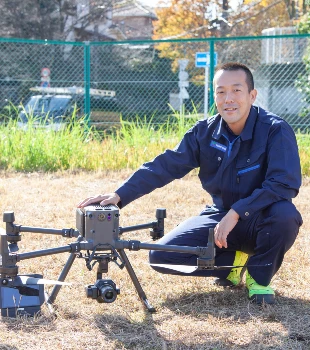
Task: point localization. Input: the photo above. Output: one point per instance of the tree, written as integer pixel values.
(303, 83)
(28, 19)
(254, 16)
(304, 24)
(184, 18)
(205, 18)
(47, 19)
(214, 18)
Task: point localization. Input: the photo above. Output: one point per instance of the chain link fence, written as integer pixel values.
(151, 79)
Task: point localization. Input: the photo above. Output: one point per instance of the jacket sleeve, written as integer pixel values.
(283, 175)
(170, 165)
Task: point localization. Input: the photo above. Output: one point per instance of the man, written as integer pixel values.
(249, 164)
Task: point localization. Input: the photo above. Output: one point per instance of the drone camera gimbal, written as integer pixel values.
(98, 241)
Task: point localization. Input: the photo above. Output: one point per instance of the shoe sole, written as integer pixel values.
(263, 299)
(223, 282)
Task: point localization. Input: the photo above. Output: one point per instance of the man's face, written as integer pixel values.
(233, 99)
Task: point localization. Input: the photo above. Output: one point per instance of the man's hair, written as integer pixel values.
(233, 66)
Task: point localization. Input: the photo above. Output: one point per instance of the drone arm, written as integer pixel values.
(157, 227)
(74, 247)
(136, 227)
(137, 245)
(43, 252)
(66, 232)
(13, 232)
(205, 255)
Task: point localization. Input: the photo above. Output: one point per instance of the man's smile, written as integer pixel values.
(230, 109)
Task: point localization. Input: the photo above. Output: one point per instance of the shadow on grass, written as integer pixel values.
(230, 306)
(233, 304)
(29, 323)
(131, 334)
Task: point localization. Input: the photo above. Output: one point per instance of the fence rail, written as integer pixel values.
(147, 78)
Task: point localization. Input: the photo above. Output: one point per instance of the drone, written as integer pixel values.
(98, 241)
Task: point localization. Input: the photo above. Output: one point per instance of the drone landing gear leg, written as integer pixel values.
(135, 281)
(50, 299)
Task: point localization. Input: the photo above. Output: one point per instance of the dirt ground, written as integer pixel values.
(192, 313)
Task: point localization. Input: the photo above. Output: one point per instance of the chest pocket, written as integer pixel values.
(250, 172)
(251, 164)
(210, 160)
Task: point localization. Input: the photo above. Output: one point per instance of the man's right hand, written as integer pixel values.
(102, 199)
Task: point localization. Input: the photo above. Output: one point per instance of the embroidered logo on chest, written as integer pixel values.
(218, 146)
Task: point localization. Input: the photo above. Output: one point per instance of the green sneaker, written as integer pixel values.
(259, 294)
(235, 275)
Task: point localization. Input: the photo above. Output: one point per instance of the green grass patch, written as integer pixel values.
(78, 148)
(303, 141)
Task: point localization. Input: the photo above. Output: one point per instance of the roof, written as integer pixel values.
(133, 9)
(122, 9)
(112, 32)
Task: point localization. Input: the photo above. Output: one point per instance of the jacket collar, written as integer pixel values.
(247, 131)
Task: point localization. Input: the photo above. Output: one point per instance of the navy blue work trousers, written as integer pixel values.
(266, 237)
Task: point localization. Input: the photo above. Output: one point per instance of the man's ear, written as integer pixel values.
(253, 95)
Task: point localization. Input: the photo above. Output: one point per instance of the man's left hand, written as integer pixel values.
(224, 227)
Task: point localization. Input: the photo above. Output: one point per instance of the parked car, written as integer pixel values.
(53, 107)
(48, 111)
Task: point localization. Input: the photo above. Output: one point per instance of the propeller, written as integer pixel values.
(27, 280)
(191, 269)
(179, 268)
(26, 284)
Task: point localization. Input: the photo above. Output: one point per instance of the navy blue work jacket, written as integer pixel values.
(247, 173)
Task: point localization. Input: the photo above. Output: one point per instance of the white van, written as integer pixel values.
(52, 108)
(48, 111)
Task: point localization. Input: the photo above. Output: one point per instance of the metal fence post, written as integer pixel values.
(211, 72)
(87, 81)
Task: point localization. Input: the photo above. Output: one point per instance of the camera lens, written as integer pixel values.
(104, 291)
(107, 294)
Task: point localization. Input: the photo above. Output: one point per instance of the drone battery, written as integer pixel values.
(26, 300)
(80, 221)
(102, 224)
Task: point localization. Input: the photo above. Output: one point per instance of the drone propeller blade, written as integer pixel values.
(179, 268)
(26, 280)
(227, 267)
(190, 268)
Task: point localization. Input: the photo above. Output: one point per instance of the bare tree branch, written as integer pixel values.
(265, 9)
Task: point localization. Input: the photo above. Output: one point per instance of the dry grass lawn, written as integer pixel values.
(192, 313)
